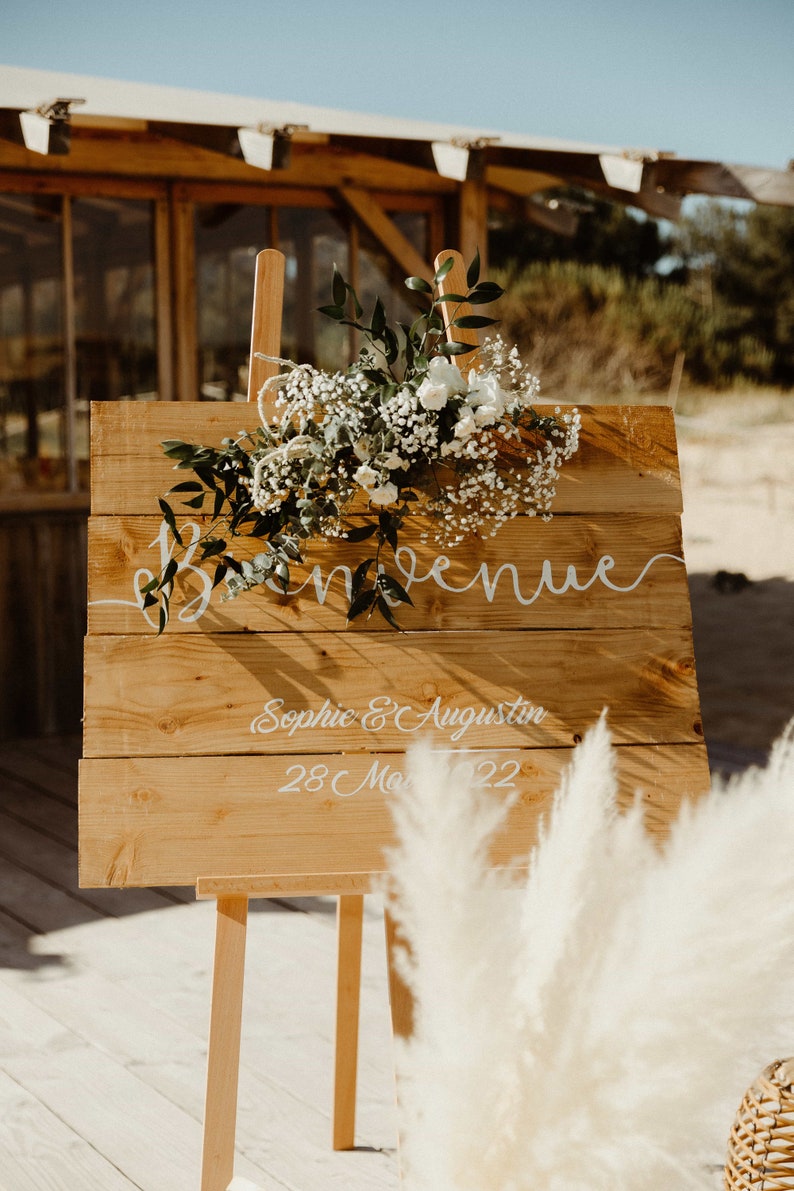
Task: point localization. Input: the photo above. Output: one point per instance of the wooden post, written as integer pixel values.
(400, 996)
(473, 221)
(350, 917)
(455, 283)
(223, 1060)
(266, 318)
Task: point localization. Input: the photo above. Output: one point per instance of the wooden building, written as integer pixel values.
(130, 218)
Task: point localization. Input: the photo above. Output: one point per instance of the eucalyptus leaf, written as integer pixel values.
(419, 284)
(185, 486)
(470, 321)
(387, 614)
(362, 603)
(170, 520)
(359, 533)
(485, 292)
(338, 289)
(473, 271)
(444, 269)
(393, 588)
(378, 319)
(450, 298)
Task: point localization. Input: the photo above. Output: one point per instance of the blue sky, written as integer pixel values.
(704, 78)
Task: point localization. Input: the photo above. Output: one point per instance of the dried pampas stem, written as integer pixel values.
(594, 1030)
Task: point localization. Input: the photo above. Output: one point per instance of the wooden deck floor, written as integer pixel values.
(104, 1004)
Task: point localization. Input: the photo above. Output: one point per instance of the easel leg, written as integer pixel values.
(223, 1064)
(350, 917)
(401, 1003)
(400, 998)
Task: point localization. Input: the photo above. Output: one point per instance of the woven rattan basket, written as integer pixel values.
(761, 1145)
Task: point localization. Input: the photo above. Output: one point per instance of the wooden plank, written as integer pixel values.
(629, 570)
(137, 155)
(455, 283)
(323, 692)
(52, 817)
(183, 274)
(626, 459)
(25, 853)
(152, 971)
(266, 319)
(152, 1141)
(286, 885)
(350, 919)
(152, 821)
(223, 1060)
(30, 764)
(473, 220)
(38, 1152)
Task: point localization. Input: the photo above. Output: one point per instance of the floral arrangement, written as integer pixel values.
(400, 431)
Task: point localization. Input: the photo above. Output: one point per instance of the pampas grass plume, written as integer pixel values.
(593, 1030)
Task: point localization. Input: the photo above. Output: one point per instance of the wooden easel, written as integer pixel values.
(232, 894)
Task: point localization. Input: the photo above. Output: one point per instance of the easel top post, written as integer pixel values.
(266, 318)
(455, 283)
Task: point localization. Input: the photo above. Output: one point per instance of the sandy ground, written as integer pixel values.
(738, 486)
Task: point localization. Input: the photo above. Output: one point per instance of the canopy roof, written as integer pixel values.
(515, 163)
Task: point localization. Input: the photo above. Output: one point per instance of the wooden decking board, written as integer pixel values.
(35, 852)
(54, 818)
(38, 1152)
(295, 1131)
(40, 770)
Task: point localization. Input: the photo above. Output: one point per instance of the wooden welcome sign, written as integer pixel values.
(255, 746)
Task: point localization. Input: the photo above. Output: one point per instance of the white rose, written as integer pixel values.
(365, 476)
(484, 389)
(442, 371)
(393, 461)
(432, 396)
(465, 426)
(386, 494)
(486, 415)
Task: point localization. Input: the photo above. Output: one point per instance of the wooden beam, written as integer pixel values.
(385, 231)
(473, 222)
(163, 291)
(144, 155)
(183, 258)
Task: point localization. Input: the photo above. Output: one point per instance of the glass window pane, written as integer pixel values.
(32, 399)
(115, 306)
(228, 238)
(312, 241)
(380, 277)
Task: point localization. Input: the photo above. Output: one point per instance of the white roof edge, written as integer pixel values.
(22, 88)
